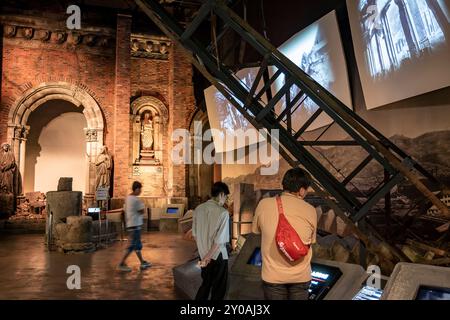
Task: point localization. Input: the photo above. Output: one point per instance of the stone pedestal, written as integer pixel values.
(168, 225)
(7, 205)
(75, 234)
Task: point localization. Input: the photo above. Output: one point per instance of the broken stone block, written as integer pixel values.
(65, 184)
(75, 234)
(339, 252)
(320, 252)
(342, 229)
(328, 222)
(6, 205)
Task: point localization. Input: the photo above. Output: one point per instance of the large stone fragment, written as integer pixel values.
(6, 205)
(65, 184)
(62, 204)
(75, 234)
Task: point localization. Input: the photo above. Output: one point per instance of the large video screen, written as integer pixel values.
(318, 51)
(402, 47)
(226, 119)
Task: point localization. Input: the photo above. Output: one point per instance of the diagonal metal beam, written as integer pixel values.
(204, 12)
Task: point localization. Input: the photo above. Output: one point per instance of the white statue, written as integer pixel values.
(103, 165)
(147, 132)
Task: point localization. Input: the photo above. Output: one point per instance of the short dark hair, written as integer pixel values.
(295, 179)
(218, 188)
(136, 185)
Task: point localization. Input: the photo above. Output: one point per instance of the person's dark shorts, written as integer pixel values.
(135, 239)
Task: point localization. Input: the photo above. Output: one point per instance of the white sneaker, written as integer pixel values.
(124, 268)
(145, 265)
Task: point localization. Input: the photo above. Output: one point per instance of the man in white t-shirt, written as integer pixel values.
(134, 211)
(210, 229)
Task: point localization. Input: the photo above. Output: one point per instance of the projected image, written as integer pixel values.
(397, 31)
(226, 119)
(230, 118)
(317, 50)
(311, 54)
(402, 47)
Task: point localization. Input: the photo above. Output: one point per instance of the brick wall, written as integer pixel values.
(26, 65)
(122, 91)
(112, 77)
(183, 107)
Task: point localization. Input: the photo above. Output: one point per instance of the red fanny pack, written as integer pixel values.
(287, 239)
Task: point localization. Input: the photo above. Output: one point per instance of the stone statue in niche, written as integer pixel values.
(147, 132)
(7, 170)
(103, 166)
(147, 145)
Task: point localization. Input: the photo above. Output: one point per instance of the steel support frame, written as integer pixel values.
(378, 147)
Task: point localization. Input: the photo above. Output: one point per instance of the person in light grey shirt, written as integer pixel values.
(210, 229)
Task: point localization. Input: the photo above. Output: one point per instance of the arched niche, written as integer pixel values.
(159, 117)
(35, 97)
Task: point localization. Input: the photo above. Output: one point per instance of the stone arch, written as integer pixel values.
(150, 103)
(34, 97)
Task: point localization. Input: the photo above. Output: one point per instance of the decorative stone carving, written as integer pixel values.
(43, 35)
(27, 33)
(60, 37)
(91, 135)
(7, 170)
(103, 39)
(150, 47)
(103, 42)
(90, 39)
(10, 31)
(76, 38)
(21, 132)
(103, 165)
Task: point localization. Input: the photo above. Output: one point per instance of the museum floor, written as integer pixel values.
(28, 271)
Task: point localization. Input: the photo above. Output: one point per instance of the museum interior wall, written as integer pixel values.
(67, 94)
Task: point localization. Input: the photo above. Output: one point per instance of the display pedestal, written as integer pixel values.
(7, 207)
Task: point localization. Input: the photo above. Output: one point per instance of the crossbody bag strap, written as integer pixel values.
(279, 205)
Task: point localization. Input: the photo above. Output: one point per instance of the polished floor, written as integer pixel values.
(28, 271)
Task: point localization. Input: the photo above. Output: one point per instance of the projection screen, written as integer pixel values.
(402, 47)
(318, 51)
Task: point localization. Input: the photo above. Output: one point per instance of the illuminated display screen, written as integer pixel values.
(172, 210)
(256, 258)
(368, 293)
(323, 277)
(433, 293)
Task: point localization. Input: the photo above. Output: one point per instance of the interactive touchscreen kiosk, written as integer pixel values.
(411, 281)
(331, 280)
(173, 211)
(94, 213)
(368, 293)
